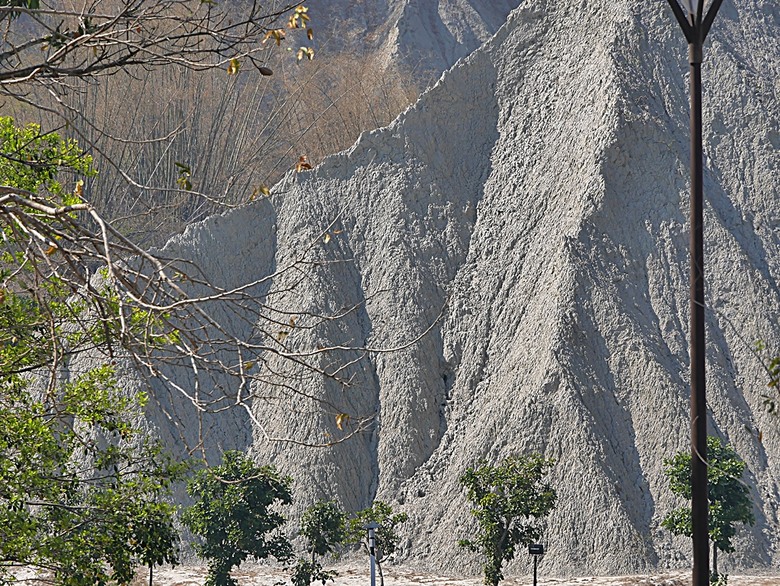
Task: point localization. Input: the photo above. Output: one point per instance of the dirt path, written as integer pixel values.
(399, 576)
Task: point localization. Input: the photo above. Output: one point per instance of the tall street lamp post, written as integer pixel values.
(695, 22)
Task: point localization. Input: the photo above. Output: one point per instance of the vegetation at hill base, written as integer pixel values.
(728, 495)
(509, 501)
(236, 513)
(324, 529)
(386, 538)
(82, 488)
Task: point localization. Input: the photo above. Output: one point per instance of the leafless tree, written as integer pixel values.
(242, 343)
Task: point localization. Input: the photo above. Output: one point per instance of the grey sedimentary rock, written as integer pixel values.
(532, 208)
(422, 36)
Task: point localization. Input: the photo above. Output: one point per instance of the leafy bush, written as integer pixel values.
(508, 500)
(236, 514)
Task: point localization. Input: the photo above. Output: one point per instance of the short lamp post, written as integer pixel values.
(536, 549)
(371, 528)
(695, 22)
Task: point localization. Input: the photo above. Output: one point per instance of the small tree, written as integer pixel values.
(508, 501)
(729, 498)
(385, 537)
(324, 525)
(82, 488)
(235, 512)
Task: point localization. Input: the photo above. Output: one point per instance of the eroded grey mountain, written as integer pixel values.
(527, 220)
(422, 36)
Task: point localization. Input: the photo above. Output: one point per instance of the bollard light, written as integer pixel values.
(536, 549)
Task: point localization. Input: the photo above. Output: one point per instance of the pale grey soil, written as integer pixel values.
(401, 576)
(531, 210)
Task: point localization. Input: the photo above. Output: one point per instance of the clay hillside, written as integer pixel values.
(504, 269)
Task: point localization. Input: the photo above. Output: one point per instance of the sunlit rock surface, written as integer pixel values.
(527, 220)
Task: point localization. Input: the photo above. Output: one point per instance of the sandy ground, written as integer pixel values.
(399, 576)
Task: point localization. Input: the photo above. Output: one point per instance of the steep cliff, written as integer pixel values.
(526, 219)
(423, 37)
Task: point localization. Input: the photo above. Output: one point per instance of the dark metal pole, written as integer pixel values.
(699, 501)
(536, 558)
(696, 25)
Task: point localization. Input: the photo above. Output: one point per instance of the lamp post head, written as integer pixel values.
(695, 22)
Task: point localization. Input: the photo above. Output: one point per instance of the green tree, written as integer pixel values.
(236, 515)
(386, 538)
(81, 488)
(728, 496)
(508, 501)
(324, 526)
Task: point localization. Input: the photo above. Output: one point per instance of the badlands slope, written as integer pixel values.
(527, 220)
(423, 37)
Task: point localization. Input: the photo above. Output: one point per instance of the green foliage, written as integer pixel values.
(385, 537)
(305, 572)
(31, 4)
(34, 161)
(43, 320)
(81, 488)
(33, 308)
(236, 514)
(44, 254)
(729, 497)
(772, 367)
(324, 526)
(508, 500)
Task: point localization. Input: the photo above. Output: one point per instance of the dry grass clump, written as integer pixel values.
(173, 146)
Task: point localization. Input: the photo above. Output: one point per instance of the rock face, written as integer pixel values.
(425, 37)
(518, 239)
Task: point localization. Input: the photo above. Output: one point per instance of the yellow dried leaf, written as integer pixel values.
(327, 237)
(307, 52)
(302, 164)
(78, 191)
(262, 190)
(309, 34)
(276, 34)
(342, 419)
(248, 365)
(233, 66)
